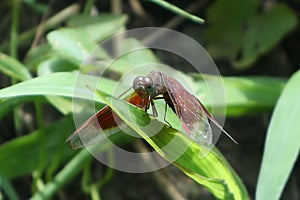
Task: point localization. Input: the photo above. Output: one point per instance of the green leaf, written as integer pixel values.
(58, 88)
(60, 84)
(239, 33)
(74, 44)
(99, 27)
(55, 64)
(77, 43)
(63, 104)
(282, 143)
(225, 30)
(13, 68)
(74, 166)
(132, 54)
(8, 105)
(8, 189)
(36, 55)
(38, 147)
(178, 11)
(244, 95)
(52, 65)
(264, 32)
(211, 171)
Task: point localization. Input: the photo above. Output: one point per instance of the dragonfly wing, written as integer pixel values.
(96, 128)
(189, 110)
(101, 125)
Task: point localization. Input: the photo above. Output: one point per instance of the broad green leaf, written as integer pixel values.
(77, 43)
(225, 26)
(282, 143)
(212, 171)
(52, 65)
(73, 44)
(132, 54)
(264, 32)
(244, 95)
(63, 104)
(99, 27)
(59, 88)
(239, 33)
(13, 68)
(60, 84)
(23, 155)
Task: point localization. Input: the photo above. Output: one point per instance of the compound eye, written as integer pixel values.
(148, 84)
(143, 86)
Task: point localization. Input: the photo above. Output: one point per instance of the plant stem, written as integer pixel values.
(52, 22)
(14, 54)
(178, 11)
(14, 29)
(87, 8)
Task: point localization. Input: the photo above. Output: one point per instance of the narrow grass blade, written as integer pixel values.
(13, 68)
(178, 11)
(282, 143)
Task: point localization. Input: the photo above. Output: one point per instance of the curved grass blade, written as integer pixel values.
(178, 11)
(13, 68)
(58, 84)
(212, 171)
(244, 94)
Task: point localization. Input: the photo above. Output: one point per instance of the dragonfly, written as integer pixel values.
(156, 85)
(194, 116)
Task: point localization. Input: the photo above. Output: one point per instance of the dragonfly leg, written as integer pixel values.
(147, 105)
(154, 111)
(165, 116)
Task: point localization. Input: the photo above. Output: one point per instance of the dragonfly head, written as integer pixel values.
(143, 86)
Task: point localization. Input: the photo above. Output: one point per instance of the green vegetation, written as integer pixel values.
(39, 67)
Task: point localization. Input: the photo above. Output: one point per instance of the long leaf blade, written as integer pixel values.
(282, 142)
(212, 171)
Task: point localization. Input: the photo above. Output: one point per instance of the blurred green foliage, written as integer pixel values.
(237, 30)
(241, 32)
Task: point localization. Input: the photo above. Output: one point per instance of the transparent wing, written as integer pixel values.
(189, 110)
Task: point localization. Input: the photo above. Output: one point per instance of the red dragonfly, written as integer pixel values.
(157, 85)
